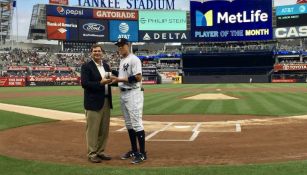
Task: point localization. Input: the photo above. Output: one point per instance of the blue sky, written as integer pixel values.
(24, 10)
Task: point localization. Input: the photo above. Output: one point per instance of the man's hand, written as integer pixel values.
(105, 81)
(114, 79)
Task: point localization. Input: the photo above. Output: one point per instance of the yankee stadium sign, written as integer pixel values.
(131, 4)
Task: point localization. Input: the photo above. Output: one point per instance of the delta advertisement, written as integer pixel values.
(65, 11)
(93, 30)
(162, 20)
(164, 36)
(60, 28)
(123, 29)
(235, 20)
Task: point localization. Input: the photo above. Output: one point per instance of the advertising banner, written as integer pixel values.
(91, 30)
(12, 82)
(17, 68)
(71, 12)
(149, 71)
(290, 32)
(290, 67)
(164, 36)
(137, 4)
(52, 81)
(291, 20)
(163, 20)
(59, 28)
(170, 78)
(63, 2)
(284, 80)
(291, 9)
(116, 14)
(235, 20)
(123, 29)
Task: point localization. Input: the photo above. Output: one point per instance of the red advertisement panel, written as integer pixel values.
(55, 30)
(284, 80)
(301, 1)
(4, 82)
(149, 82)
(17, 68)
(290, 67)
(116, 14)
(12, 82)
(64, 2)
(60, 28)
(42, 68)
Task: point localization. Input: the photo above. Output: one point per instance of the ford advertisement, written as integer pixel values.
(231, 20)
(93, 30)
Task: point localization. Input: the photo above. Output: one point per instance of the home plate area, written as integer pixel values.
(183, 131)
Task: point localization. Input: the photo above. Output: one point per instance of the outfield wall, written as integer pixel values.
(225, 79)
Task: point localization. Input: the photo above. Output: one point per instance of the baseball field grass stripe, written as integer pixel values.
(187, 107)
(13, 120)
(286, 106)
(254, 100)
(241, 105)
(215, 107)
(299, 99)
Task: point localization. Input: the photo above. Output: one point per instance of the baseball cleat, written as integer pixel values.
(127, 155)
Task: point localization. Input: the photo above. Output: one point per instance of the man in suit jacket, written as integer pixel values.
(97, 104)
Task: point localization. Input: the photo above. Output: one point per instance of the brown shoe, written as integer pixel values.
(104, 157)
(94, 159)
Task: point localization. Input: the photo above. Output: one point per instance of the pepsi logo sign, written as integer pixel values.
(60, 10)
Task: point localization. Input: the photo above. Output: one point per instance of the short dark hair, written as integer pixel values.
(97, 45)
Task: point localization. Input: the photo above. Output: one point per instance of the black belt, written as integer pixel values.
(128, 89)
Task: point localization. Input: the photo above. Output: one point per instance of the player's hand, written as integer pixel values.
(105, 81)
(114, 79)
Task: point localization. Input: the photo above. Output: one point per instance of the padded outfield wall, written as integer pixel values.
(228, 67)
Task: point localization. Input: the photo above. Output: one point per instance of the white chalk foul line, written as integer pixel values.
(156, 132)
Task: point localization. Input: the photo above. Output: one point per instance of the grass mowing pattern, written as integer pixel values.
(254, 103)
(172, 102)
(13, 120)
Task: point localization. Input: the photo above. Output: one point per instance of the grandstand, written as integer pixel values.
(259, 61)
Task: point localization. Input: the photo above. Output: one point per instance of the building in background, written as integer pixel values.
(6, 16)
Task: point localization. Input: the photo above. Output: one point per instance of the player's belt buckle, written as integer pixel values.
(125, 89)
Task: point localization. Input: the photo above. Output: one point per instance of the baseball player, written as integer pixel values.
(131, 100)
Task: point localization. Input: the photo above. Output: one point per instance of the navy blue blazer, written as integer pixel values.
(94, 92)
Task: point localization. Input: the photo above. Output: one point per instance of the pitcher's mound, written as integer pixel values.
(213, 96)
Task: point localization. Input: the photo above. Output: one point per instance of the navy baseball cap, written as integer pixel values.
(121, 42)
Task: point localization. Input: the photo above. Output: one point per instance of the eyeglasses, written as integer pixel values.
(96, 51)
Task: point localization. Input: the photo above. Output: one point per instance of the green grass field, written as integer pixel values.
(273, 102)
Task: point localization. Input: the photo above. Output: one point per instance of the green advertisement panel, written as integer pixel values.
(162, 20)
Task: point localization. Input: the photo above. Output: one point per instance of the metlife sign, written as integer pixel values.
(123, 29)
(162, 20)
(291, 9)
(231, 20)
(71, 12)
(164, 36)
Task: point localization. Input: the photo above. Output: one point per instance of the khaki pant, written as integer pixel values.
(97, 129)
